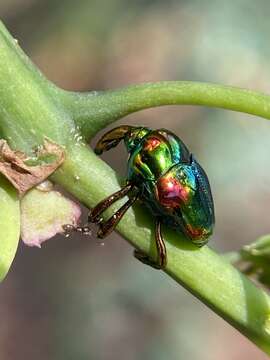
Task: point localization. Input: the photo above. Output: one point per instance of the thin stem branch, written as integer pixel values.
(95, 110)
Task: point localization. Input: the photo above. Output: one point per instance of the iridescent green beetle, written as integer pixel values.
(166, 177)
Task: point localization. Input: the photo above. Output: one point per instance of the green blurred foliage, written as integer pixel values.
(59, 302)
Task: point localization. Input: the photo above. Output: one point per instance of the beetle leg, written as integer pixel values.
(112, 138)
(161, 261)
(94, 214)
(161, 247)
(108, 226)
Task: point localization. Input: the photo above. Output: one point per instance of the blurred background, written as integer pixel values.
(79, 298)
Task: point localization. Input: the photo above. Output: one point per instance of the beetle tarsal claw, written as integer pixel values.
(69, 228)
(145, 259)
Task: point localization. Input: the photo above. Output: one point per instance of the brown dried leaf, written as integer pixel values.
(22, 176)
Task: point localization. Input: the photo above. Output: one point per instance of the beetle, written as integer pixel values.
(162, 173)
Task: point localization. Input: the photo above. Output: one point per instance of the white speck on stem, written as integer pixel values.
(45, 186)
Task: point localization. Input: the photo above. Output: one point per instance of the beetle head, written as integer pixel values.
(134, 137)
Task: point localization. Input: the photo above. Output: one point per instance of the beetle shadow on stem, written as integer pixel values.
(144, 218)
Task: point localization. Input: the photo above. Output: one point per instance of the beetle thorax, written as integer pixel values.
(154, 154)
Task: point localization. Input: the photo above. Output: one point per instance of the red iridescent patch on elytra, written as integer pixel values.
(196, 232)
(171, 193)
(151, 144)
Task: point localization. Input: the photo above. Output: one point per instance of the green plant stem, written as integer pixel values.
(204, 273)
(31, 108)
(25, 120)
(9, 225)
(95, 110)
